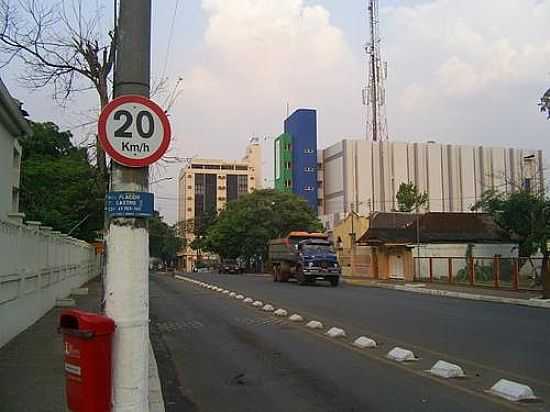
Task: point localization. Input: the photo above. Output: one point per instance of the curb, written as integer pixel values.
(156, 402)
(458, 295)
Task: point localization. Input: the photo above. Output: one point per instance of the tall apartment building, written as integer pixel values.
(206, 185)
(12, 125)
(364, 176)
(296, 156)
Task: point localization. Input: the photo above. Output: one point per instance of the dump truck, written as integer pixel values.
(304, 256)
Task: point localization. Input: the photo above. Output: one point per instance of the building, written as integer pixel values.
(440, 245)
(364, 176)
(12, 125)
(205, 186)
(296, 157)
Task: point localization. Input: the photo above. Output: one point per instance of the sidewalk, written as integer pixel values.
(524, 298)
(32, 369)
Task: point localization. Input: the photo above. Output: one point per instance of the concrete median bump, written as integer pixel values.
(296, 318)
(512, 391)
(313, 324)
(257, 304)
(363, 342)
(232, 294)
(398, 354)
(239, 297)
(248, 300)
(178, 277)
(336, 333)
(446, 370)
(226, 292)
(281, 313)
(268, 308)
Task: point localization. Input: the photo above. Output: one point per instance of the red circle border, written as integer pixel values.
(110, 150)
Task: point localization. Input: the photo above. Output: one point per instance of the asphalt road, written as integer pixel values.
(218, 354)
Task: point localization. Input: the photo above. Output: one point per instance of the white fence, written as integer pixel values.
(36, 268)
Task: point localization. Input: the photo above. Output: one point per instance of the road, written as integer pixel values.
(218, 354)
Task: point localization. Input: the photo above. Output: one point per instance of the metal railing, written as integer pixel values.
(495, 272)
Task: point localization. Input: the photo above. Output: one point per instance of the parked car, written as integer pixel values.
(230, 266)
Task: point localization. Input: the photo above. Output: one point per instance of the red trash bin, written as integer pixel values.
(87, 338)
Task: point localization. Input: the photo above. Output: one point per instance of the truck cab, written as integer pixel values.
(319, 260)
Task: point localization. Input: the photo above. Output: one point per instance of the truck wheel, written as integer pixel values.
(334, 281)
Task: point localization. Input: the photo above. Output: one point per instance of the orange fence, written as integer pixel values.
(497, 272)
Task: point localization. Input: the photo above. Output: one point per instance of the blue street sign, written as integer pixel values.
(130, 204)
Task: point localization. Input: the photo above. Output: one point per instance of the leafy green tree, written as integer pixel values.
(246, 226)
(59, 186)
(409, 198)
(164, 241)
(526, 217)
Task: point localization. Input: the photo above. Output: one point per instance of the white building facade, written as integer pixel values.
(12, 126)
(365, 177)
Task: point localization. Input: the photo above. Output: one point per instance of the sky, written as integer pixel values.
(460, 72)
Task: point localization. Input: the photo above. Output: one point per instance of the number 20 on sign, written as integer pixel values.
(134, 131)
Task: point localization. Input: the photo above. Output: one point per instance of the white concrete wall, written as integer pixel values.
(37, 268)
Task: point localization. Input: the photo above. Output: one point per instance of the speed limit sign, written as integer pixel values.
(134, 131)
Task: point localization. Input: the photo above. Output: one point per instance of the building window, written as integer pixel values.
(16, 159)
(15, 200)
(237, 185)
(205, 193)
(228, 167)
(309, 169)
(308, 150)
(308, 189)
(288, 184)
(241, 167)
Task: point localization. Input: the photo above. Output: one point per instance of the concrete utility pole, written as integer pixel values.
(127, 269)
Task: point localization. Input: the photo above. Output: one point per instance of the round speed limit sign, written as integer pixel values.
(134, 131)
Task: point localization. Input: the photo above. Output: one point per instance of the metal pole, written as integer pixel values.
(126, 285)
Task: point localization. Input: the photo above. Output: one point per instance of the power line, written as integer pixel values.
(170, 38)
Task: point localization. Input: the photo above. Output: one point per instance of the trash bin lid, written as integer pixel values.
(80, 320)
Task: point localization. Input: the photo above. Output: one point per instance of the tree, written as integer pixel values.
(409, 198)
(245, 227)
(526, 217)
(59, 187)
(164, 242)
(59, 46)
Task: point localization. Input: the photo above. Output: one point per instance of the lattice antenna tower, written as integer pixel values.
(374, 95)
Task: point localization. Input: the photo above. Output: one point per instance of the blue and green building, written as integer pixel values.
(296, 156)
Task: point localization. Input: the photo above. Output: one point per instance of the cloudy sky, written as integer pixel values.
(468, 71)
